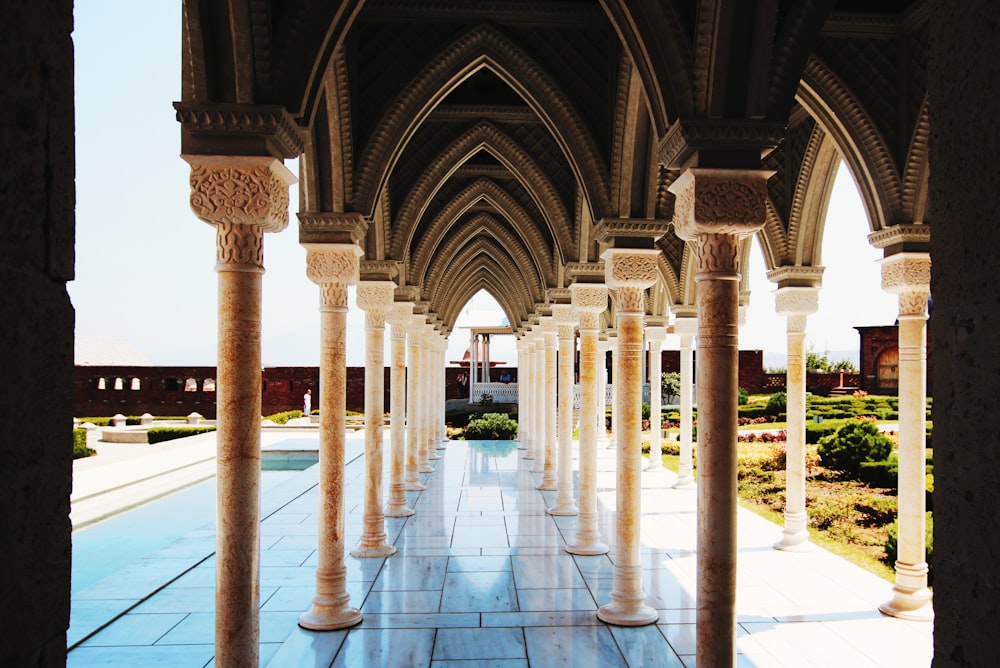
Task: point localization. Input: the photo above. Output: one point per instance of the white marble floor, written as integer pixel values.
(481, 579)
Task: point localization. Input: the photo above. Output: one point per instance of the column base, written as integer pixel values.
(655, 464)
(415, 487)
(795, 537)
(398, 511)
(909, 604)
(588, 547)
(546, 487)
(685, 478)
(627, 615)
(432, 455)
(322, 617)
(425, 468)
(564, 509)
(373, 551)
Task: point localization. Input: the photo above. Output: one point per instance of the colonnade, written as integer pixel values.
(715, 209)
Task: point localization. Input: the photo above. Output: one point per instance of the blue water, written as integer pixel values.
(106, 547)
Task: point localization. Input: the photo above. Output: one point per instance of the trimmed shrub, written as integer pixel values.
(80, 448)
(491, 427)
(856, 442)
(283, 417)
(645, 411)
(161, 434)
(817, 430)
(96, 421)
(777, 404)
(742, 397)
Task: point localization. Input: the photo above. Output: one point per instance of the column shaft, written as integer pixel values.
(565, 503)
(237, 585)
(397, 505)
(655, 336)
(414, 461)
(685, 467)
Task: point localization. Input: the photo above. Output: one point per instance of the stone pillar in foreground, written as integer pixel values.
(629, 271)
(523, 392)
(538, 409)
(589, 301)
(333, 267)
(551, 344)
(796, 303)
(685, 327)
(399, 318)
(656, 332)
(242, 197)
(415, 464)
(565, 320)
(715, 208)
(375, 298)
(907, 273)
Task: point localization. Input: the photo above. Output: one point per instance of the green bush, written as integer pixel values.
(776, 404)
(96, 421)
(856, 442)
(80, 448)
(892, 544)
(283, 417)
(646, 411)
(742, 397)
(491, 427)
(817, 430)
(160, 434)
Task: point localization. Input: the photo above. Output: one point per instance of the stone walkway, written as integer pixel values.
(480, 579)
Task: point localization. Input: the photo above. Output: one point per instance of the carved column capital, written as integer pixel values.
(590, 300)
(240, 190)
(655, 331)
(565, 318)
(719, 201)
(375, 299)
(909, 276)
(398, 316)
(333, 263)
(793, 301)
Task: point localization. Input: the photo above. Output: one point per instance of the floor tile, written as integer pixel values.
(542, 600)
(403, 601)
(572, 646)
(480, 644)
(386, 647)
(181, 656)
(645, 646)
(135, 629)
(484, 591)
(304, 649)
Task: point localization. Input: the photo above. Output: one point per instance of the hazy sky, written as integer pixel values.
(145, 264)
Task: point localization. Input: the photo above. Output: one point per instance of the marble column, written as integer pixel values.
(375, 298)
(589, 301)
(715, 208)
(399, 318)
(441, 350)
(565, 320)
(550, 335)
(538, 410)
(333, 267)
(908, 275)
(427, 390)
(795, 303)
(523, 435)
(603, 347)
(628, 272)
(685, 328)
(242, 197)
(656, 332)
(414, 462)
(525, 394)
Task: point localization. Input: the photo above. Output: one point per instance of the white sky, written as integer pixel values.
(145, 264)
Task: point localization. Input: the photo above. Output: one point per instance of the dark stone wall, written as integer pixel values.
(36, 260)
(964, 201)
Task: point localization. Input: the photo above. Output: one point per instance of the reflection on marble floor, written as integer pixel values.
(481, 578)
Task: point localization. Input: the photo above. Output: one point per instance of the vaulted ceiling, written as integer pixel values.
(483, 141)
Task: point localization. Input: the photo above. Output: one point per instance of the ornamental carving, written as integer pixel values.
(716, 253)
(332, 263)
(630, 268)
(905, 272)
(630, 300)
(563, 314)
(239, 246)
(714, 201)
(589, 298)
(590, 320)
(333, 296)
(250, 193)
(792, 301)
(399, 315)
(375, 296)
(913, 304)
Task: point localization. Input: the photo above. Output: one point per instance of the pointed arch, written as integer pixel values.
(916, 172)
(482, 47)
(485, 225)
(863, 147)
(501, 200)
(484, 136)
